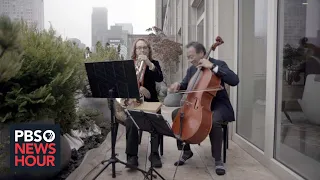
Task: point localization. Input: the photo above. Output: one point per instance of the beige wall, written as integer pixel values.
(250, 47)
(218, 19)
(182, 17)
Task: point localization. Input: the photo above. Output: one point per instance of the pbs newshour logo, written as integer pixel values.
(35, 146)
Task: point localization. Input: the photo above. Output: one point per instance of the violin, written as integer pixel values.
(193, 121)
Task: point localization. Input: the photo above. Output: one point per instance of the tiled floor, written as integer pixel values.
(299, 139)
(301, 135)
(240, 165)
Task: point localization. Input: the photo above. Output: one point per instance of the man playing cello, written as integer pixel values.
(220, 105)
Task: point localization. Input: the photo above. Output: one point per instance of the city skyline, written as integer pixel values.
(75, 22)
(32, 11)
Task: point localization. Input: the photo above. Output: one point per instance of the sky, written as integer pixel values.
(72, 18)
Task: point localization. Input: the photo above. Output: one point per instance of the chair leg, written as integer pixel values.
(161, 144)
(225, 140)
(227, 134)
(140, 136)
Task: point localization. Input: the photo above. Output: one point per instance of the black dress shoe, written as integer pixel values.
(220, 171)
(156, 161)
(220, 168)
(133, 161)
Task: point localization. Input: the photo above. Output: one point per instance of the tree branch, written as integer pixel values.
(2, 53)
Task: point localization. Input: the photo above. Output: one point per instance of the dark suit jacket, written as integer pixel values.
(221, 102)
(150, 79)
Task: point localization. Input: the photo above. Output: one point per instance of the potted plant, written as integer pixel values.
(101, 53)
(167, 51)
(39, 77)
(293, 61)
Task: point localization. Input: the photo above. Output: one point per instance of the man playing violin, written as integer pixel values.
(220, 105)
(142, 52)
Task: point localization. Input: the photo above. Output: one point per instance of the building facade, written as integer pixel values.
(126, 27)
(117, 36)
(31, 11)
(274, 47)
(161, 7)
(99, 24)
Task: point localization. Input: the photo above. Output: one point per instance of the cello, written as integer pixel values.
(193, 121)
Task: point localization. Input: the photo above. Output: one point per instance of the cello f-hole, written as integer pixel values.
(195, 103)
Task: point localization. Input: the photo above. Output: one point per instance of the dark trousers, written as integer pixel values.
(215, 136)
(132, 137)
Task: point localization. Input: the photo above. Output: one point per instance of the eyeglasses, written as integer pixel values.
(144, 48)
(190, 57)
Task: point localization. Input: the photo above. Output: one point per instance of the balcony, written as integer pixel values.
(240, 165)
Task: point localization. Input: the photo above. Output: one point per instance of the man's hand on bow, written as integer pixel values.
(175, 87)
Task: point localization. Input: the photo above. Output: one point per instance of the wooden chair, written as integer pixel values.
(160, 139)
(148, 107)
(225, 140)
(154, 107)
(140, 137)
(225, 132)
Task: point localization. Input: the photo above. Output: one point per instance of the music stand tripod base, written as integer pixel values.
(113, 159)
(151, 169)
(113, 79)
(154, 124)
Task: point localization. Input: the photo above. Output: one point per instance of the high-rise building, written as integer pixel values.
(99, 24)
(31, 11)
(117, 36)
(126, 27)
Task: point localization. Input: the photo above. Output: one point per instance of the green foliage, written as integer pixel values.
(3, 153)
(10, 51)
(104, 53)
(46, 82)
(118, 48)
(165, 49)
(85, 118)
(293, 57)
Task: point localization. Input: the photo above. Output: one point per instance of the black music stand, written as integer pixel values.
(113, 79)
(154, 124)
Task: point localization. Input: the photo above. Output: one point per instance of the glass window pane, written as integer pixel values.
(252, 71)
(200, 32)
(200, 9)
(297, 138)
